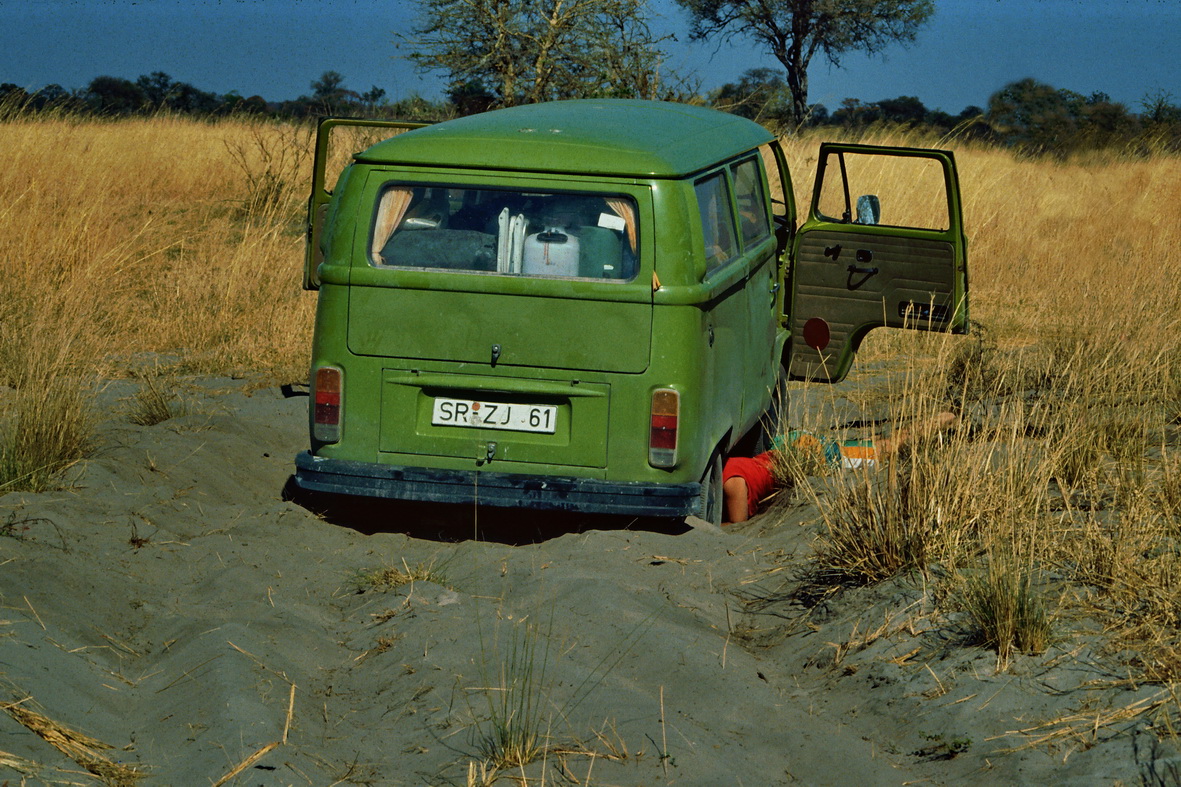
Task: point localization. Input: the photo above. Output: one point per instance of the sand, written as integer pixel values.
(173, 606)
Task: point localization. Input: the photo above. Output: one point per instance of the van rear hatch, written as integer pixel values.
(491, 307)
(516, 277)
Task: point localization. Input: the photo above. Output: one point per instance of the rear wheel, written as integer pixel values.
(711, 504)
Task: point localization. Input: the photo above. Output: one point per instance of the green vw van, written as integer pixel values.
(588, 305)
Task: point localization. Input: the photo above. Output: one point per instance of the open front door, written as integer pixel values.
(331, 157)
(883, 245)
(783, 201)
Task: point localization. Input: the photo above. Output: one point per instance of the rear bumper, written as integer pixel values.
(507, 490)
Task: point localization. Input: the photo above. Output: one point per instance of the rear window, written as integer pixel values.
(507, 233)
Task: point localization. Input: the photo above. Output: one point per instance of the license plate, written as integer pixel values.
(495, 415)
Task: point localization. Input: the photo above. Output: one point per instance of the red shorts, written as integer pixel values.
(757, 472)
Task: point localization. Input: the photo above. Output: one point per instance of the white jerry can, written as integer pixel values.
(551, 253)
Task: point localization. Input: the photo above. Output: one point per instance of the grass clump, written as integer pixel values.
(393, 577)
(156, 401)
(519, 704)
(1004, 610)
(871, 535)
(511, 735)
(49, 428)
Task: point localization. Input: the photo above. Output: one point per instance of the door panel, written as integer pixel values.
(911, 288)
(851, 274)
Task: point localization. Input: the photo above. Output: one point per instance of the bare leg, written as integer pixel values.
(734, 494)
(892, 444)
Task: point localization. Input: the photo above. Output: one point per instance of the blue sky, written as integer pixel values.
(275, 48)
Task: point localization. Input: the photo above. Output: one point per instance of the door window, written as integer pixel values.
(717, 220)
(909, 191)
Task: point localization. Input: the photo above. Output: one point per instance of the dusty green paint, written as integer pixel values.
(594, 349)
(584, 137)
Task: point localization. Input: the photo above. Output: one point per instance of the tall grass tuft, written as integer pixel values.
(49, 428)
(1004, 610)
(512, 735)
(156, 401)
(871, 535)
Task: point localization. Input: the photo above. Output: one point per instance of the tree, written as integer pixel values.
(471, 97)
(115, 95)
(761, 94)
(854, 114)
(794, 31)
(372, 97)
(330, 94)
(525, 51)
(904, 110)
(329, 86)
(158, 88)
(1035, 116)
(53, 95)
(1160, 109)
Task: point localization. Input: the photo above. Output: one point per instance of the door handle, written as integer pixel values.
(866, 271)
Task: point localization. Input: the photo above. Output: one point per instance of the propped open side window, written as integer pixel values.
(333, 150)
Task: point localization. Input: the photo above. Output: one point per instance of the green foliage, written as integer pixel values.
(761, 95)
(527, 51)
(1040, 119)
(163, 92)
(793, 31)
(115, 96)
(939, 748)
(330, 96)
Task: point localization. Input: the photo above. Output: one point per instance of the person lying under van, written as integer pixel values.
(748, 480)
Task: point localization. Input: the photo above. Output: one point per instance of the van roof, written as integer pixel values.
(586, 137)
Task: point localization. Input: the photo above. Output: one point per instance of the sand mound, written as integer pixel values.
(179, 621)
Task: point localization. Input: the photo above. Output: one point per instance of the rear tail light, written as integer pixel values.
(328, 413)
(662, 434)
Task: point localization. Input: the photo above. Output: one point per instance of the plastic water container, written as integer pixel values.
(550, 253)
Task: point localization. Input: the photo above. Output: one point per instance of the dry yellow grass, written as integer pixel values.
(1070, 394)
(183, 239)
(161, 236)
(143, 235)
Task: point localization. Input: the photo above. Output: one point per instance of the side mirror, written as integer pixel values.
(869, 209)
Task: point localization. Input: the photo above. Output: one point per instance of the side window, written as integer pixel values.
(506, 232)
(717, 222)
(752, 204)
